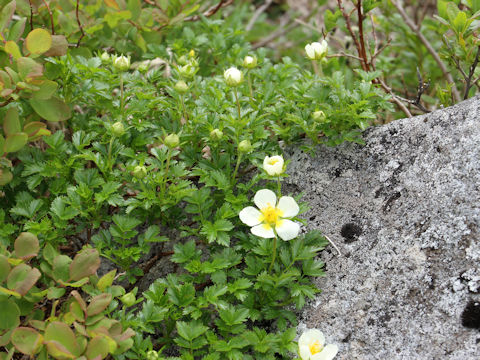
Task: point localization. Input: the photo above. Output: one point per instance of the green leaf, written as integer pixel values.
(106, 280)
(185, 252)
(4, 268)
(46, 90)
(55, 293)
(61, 267)
(181, 295)
(218, 231)
(33, 128)
(16, 31)
(26, 246)
(84, 264)
(52, 109)
(22, 277)
(98, 304)
(38, 41)
(331, 19)
(12, 48)
(11, 123)
(27, 340)
(9, 314)
(191, 330)
(6, 14)
(61, 341)
(59, 46)
(98, 348)
(15, 142)
(60, 208)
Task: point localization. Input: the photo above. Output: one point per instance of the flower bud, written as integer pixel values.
(182, 60)
(152, 355)
(319, 116)
(118, 129)
(250, 62)
(105, 57)
(233, 76)
(139, 172)
(245, 146)
(143, 66)
(172, 141)
(316, 50)
(187, 71)
(273, 165)
(181, 87)
(128, 299)
(192, 53)
(121, 63)
(216, 134)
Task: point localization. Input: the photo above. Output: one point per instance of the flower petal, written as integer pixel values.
(289, 206)
(250, 216)
(287, 229)
(304, 352)
(265, 198)
(328, 353)
(263, 231)
(310, 336)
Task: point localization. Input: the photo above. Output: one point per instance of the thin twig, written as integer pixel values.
(311, 27)
(51, 16)
(333, 244)
(395, 98)
(468, 85)
(431, 50)
(343, 54)
(31, 14)
(211, 11)
(257, 13)
(346, 16)
(281, 31)
(79, 25)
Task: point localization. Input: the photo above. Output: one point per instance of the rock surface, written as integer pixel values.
(404, 210)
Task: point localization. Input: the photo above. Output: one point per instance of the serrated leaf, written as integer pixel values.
(191, 330)
(61, 209)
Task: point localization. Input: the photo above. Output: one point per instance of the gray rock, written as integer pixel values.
(404, 210)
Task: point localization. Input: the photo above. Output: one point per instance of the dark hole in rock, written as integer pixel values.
(471, 315)
(350, 232)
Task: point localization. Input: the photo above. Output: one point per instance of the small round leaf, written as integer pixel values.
(38, 41)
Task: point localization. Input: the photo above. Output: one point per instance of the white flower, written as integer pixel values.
(272, 215)
(121, 63)
(316, 51)
(273, 165)
(233, 76)
(311, 346)
(249, 62)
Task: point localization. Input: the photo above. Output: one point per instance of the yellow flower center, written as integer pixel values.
(273, 161)
(271, 216)
(315, 347)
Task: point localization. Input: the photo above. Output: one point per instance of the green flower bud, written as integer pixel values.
(216, 134)
(152, 355)
(118, 129)
(319, 116)
(245, 146)
(143, 66)
(128, 299)
(105, 57)
(181, 87)
(182, 60)
(121, 63)
(187, 71)
(250, 62)
(233, 76)
(172, 141)
(139, 172)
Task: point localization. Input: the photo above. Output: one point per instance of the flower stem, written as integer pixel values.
(238, 105)
(185, 115)
(121, 94)
(279, 187)
(250, 86)
(109, 163)
(239, 160)
(167, 166)
(274, 253)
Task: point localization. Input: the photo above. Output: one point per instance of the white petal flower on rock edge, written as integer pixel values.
(271, 217)
(273, 165)
(311, 346)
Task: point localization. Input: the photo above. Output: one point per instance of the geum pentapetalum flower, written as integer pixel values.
(311, 346)
(273, 165)
(316, 50)
(271, 216)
